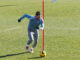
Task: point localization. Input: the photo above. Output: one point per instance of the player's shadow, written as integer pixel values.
(8, 55)
(6, 5)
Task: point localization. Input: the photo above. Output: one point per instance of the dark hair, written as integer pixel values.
(38, 13)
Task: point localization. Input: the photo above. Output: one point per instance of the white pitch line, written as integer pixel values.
(10, 29)
(54, 28)
(58, 28)
(13, 28)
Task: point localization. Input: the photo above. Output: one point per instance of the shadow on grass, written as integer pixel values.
(13, 54)
(36, 58)
(6, 5)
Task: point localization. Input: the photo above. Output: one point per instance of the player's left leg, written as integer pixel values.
(36, 38)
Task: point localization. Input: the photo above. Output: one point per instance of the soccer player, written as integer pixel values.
(33, 28)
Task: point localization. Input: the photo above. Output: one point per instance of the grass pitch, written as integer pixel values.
(62, 29)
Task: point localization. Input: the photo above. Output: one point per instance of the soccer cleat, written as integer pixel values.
(31, 50)
(27, 48)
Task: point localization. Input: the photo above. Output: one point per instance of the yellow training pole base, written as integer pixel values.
(42, 54)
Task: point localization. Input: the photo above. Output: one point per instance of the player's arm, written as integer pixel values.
(42, 25)
(24, 16)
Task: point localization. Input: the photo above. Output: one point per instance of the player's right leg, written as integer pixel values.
(30, 35)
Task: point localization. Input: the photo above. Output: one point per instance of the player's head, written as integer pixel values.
(38, 15)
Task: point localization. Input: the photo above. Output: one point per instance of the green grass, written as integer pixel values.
(62, 29)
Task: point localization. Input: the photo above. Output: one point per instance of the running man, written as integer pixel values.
(33, 28)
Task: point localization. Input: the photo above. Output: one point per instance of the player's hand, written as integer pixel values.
(40, 28)
(19, 20)
(37, 28)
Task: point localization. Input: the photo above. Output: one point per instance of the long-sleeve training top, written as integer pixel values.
(33, 22)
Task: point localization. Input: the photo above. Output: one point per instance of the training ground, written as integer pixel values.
(62, 29)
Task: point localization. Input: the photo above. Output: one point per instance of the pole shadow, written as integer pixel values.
(35, 57)
(8, 55)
